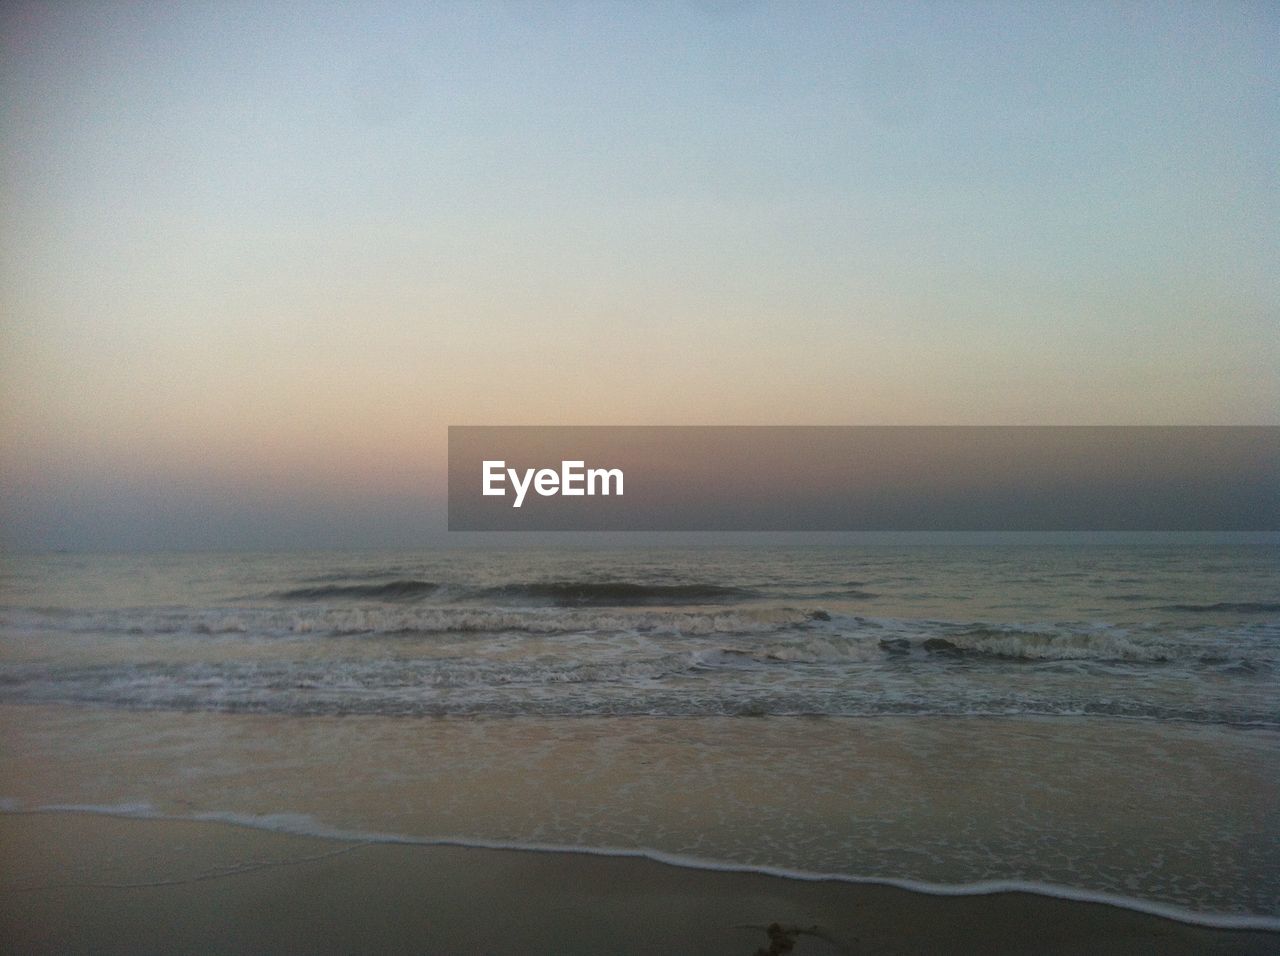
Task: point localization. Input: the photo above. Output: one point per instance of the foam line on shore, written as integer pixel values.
(305, 825)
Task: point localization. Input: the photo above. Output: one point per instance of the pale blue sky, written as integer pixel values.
(265, 252)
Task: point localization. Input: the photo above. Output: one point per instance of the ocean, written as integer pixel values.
(1097, 721)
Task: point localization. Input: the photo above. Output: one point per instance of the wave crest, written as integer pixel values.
(617, 593)
(1226, 607)
(385, 591)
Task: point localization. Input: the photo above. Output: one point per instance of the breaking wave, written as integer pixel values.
(534, 593)
(387, 591)
(408, 619)
(616, 593)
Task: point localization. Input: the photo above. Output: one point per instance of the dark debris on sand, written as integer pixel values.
(782, 939)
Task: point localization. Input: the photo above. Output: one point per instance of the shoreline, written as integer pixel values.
(1038, 807)
(297, 825)
(78, 881)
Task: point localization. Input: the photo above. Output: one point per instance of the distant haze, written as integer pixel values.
(256, 257)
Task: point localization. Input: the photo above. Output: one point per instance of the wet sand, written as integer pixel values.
(76, 882)
(1177, 815)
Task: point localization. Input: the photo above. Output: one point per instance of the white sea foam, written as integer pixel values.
(394, 619)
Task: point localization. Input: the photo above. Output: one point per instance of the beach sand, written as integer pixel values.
(78, 882)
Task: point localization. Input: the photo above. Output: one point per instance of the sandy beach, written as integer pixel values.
(76, 882)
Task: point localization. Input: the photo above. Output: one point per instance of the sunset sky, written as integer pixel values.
(258, 256)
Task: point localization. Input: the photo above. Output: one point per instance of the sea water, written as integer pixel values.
(1093, 719)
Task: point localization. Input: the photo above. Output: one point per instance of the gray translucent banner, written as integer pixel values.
(785, 478)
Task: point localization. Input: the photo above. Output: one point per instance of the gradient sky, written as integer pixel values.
(257, 256)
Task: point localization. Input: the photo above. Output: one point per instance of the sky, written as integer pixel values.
(256, 257)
